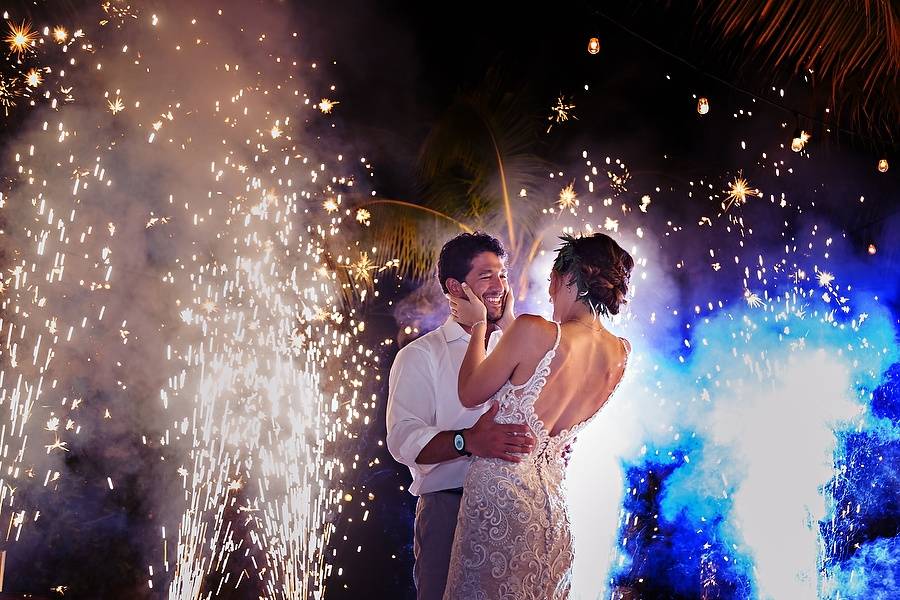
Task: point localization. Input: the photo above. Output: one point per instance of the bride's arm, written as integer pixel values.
(481, 376)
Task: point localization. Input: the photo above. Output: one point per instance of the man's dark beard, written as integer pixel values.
(502, 310)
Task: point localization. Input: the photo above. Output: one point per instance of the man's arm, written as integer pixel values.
(486, 438)
(439, 449)
(413, 440)
(411, 407)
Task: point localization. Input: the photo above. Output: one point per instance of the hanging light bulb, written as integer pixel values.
(798, 142)
(702, 106)
(594, 45)
(883, 165)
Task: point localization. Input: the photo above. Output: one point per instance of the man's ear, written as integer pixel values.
(454, 287)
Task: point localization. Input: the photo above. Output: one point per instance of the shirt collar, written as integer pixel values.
(453, 331)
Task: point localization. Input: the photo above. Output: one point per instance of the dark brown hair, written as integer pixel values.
(600, 268)
(456, 255)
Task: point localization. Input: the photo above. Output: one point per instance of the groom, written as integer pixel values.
(428, 429)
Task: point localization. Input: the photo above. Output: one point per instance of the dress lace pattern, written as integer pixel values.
(513, 534)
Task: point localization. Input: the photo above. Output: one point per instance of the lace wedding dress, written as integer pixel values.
(513, 535)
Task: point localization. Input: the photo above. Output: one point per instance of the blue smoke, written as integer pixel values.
(693, 519)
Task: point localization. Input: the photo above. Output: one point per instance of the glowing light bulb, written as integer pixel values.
(702, 106)
(798, 143)
(594, 45)
(872, 249)
(883, 165)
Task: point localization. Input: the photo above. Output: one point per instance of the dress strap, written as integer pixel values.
(558, 335)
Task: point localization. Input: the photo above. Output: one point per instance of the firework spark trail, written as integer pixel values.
(229, 294)
(36, 336)
(254, 397)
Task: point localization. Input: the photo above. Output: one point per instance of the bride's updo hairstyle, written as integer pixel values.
(600, 268)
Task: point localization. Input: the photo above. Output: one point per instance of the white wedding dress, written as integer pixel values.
(513, 534)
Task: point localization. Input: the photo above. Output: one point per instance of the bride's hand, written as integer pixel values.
(469, 311)
(509, 311)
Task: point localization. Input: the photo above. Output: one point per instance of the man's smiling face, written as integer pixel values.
(488, 279)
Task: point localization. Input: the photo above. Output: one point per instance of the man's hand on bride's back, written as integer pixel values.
(490, 439)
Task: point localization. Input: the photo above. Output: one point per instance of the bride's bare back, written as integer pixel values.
(588, 366)
(513, 531)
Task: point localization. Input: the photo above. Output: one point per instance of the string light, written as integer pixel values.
(798, 147)
(798, 142)
(703, 106)
(594, 45)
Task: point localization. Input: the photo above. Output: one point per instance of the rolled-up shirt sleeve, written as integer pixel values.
(411, 407)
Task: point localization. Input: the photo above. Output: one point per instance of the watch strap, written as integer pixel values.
(463, 451)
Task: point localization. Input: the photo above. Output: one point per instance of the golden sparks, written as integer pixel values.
(363, 216)
(825, 278)
(116, 106)
(568, 199)
(119, 9)
(154, 221)
(21, 38)
(738, 191)
(60, 34)
(330, 205)
(753, 299)
(326, 105)
(362, 269)
(619, 183)
(33, 78)
(560, 112)
(8, 94)
(57, 445)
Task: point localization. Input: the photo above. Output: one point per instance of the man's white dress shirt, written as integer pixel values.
(423, 401)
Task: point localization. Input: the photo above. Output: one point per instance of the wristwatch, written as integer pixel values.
(459, 443)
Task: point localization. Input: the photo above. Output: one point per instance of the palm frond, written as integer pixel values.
(480, 154)
(855, 46)
(407, 232)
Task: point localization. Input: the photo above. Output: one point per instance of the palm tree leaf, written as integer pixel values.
(480, 154)
(406, 232)
(855, 46)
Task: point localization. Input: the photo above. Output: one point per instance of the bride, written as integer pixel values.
(513, 534)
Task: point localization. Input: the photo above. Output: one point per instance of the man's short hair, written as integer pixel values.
(456, 255)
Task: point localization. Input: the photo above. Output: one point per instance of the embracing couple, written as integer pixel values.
(483, 411)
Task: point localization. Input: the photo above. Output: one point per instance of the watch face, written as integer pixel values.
(458, 442)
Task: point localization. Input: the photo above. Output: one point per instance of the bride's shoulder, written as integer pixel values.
(532, 324)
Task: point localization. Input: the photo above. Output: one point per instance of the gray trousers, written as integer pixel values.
(436, 515)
